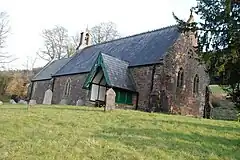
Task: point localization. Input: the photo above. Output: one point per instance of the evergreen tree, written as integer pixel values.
(218, 38)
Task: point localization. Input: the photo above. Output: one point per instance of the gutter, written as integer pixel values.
(148, 64)
(36, 80)
(69, 74)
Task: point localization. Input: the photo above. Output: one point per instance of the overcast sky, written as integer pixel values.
(29, 17)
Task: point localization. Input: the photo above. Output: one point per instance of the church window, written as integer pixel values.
(67, 87)
(180, 78)
(195, 84)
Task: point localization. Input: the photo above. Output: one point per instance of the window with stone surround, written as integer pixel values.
(67, 88)
(180, 78)
(196, 84)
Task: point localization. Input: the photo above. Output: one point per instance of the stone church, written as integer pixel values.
(151, 71)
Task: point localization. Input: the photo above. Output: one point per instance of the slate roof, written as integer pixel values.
(140, 49)
(118, 73)
(115, 71)
(50, 69)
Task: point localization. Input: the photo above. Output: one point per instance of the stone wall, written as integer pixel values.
(183, 100)
(143, 80)
(76, 90)
(38, 90)
(142, 77)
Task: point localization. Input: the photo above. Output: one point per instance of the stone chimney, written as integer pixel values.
(192, 35)
(85, 39)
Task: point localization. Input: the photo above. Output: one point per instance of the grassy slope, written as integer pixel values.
(224, 108)
(216, 89)
(88, 133)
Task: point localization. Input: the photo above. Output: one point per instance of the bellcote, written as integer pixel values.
(85, 39)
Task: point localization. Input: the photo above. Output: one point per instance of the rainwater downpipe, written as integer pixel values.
(152, 80)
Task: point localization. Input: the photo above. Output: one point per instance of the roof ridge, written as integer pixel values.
(114, 57)
(129, 36)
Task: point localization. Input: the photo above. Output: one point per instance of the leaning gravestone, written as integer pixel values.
(110, 100)
(48, 97)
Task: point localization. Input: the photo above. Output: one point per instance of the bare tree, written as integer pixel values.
(4, 32)
(105, 31)
(75, 40)
(56, 43)
(30, 62)
(29, 66)
(71, 49)
(73, 44)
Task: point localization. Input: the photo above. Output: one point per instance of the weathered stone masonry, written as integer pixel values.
(183, 100)
(142, 78)
(144, 85)
(76, 91)
(180, 100)
(38, 90)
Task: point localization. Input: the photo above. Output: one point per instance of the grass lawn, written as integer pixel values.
(216, 89)
(54, 132)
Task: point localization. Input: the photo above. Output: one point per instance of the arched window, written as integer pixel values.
(195, 84)
(180, 78)
(67, 88)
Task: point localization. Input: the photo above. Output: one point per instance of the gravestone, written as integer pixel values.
(32, 102)
(110, 100)
(12, 101)
(22, 101)
(63, 101)
(48, 97)
(80, 102)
